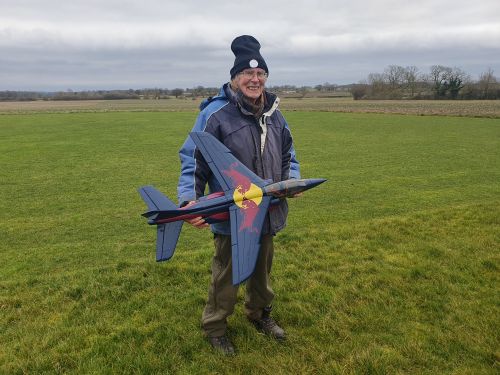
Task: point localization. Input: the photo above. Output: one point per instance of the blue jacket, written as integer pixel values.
(263, 146)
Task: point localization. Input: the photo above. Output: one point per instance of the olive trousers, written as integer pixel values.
(222, 294)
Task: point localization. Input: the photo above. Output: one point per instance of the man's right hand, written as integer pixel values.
(197, 222)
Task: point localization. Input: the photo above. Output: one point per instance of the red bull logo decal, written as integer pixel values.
(247, 196)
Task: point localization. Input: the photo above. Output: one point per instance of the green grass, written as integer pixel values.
(390, 267)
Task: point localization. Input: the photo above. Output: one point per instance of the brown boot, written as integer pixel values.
(268, 325)
(223, 344)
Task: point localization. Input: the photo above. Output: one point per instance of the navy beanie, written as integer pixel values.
(246, 50)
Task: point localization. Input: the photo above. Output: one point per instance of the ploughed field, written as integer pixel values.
(467, 108)
(392, 266)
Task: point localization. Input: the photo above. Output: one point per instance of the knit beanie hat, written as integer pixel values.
(246, 50)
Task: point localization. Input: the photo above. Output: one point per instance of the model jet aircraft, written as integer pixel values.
(244, 201)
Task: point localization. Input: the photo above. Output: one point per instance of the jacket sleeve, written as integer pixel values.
(290, 167)
(194, 170)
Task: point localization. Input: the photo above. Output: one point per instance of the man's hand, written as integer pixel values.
(296, 195)
(197, 222)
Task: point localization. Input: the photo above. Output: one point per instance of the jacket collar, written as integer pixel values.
(272, 101)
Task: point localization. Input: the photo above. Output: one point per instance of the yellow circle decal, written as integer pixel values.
(241, 198)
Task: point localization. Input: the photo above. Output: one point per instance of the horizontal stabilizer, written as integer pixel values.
(155, 200)
(167, 236)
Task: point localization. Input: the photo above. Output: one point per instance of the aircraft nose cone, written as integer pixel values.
(312, 182)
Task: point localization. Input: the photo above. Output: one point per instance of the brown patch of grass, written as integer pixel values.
(470, 108)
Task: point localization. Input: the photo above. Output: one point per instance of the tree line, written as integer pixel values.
(147, 93)
(395, 82)
(159, 93)
(441, 82)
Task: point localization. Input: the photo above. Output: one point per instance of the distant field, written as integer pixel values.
(473, 108)
(390, 267)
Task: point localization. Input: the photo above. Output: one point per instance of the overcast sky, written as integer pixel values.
(114, 44)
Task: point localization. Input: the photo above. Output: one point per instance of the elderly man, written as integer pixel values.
(245, 118)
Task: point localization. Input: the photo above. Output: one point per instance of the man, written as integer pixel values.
(245, 118)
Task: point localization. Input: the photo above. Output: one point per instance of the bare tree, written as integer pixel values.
(446, 81)
(455, 83)
(394, 75)
(438, 77)
(410, 79)
(359, 91)
(177, 92)
(377, 84)
(486, 82)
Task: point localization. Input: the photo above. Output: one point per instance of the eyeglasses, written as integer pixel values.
(248, 74)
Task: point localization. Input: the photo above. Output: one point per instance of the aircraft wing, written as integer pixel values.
(228, 170)
(246, 231)
(250, 206)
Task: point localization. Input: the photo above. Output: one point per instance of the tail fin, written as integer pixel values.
(166, 234)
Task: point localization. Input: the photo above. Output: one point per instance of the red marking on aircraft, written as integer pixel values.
(249, 207)
(239, 179)
(214, 195)
(223, 216)
(250, 210)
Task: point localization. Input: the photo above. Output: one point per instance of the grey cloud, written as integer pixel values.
(120, 44)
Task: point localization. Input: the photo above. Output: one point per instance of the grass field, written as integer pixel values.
(391, 267)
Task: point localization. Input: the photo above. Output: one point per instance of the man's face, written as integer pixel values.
(251, 82)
